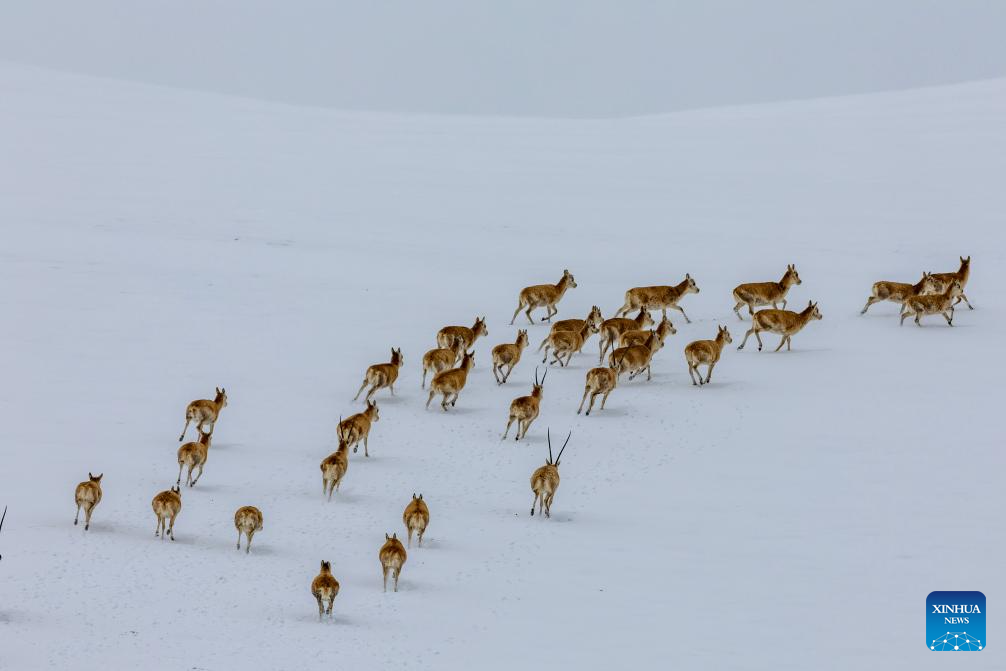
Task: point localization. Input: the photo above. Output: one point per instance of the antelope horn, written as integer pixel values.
(563, 448)
(544, 376)
(536, 383)
(548, 434)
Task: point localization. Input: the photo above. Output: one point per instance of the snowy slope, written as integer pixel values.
(793, 515)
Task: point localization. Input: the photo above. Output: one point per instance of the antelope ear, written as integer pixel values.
(100, 476)
(89, 475)
(223, 391)
(688, 276)
(218, 389)
(394, 536)
(387, 537)
(420, 496)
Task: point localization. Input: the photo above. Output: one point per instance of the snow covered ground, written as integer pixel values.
(792, 515)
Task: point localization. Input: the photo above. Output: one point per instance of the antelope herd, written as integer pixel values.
(632, 345)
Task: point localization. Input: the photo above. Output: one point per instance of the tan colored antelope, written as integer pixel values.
(356, 427)
(706, 352)
(942, 281)
(524, 409)
(204, 413)
(88, 495)
(612, 329)
(594, 316)
(636, 358)
(392, 556)
(508, 354)
(897, 292)
(166, 506)
(441, 359)
(247, 520)
(543, 296)
(451, 382)
(639, 336)
(599, 381)
(545, 480)
(756, 294)
(468, 335)
(416, 518)
(659, 298)
(382, 375)
(784, 322)
(325, 588)
(567, 343)
(933, 304)
(193, 455)
(333, 469)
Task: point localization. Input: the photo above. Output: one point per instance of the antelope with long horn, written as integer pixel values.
(204, 413)
(941, 281)
(468, 335)
(508, 355)
(441, 359)
(356, 427)
(612, 329)
(756, 294)
(524, 409)
(599, 381)
(449, 383)
(382, 375)
(706, 352)
(593, 316)
(784, 322)
(416, 518)
(545, 479)
(87, 496)
(325, 588)
(392, 555)
(933, 304)
(898, 292)
(543, 296)
(659, 297)
(247, 520)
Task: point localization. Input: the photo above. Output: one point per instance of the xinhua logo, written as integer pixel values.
(955, 621)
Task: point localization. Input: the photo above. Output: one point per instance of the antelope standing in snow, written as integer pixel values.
(942, 281)
(784, 322)
(166, 506)
(659, 298)
(333, 469)
(325, 588)
(508, 354)
(639, 336)
(451, 382)
(897, 292)
(599, 381)
(612, 329)
(756, 294)
(706, 352)
(468, 335)
(636, 358)
(247, 520)
(382, 375)
(545, 480)
(524, 409)
(416, 518)
(356, 427)
(594, 316)
(442, 358)
(392, 556)
(87, 496)
(543, 296)
(193, 455)
(204, 413)
(933, 304)
(567, 343)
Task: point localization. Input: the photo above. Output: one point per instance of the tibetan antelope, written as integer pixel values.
(784, 322)
(612, 329)
(442, 358)
(567, 343)
(524, 409)
(659, 298)
(392, 557)
(451, 382)
(356, 427)
(636, 358)
(593, 316)
(543, 296)
(325, 588)
(193, 455)
(508, 354)
(166, 506)
(382, 375)
(933, 304)
(333, 469)
(639, 336)
(545, 480)
(599, 381)
(706, 352)
(942, 281)
(447, 335)
(87, 496)
(897, 292)
(416, 518)
(247, 520)
(204, 413)
(756, 294)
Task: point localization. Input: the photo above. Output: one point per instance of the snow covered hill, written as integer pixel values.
(792, 515)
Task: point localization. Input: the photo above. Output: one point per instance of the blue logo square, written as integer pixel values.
(955, 621)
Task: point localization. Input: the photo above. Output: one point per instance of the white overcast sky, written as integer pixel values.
(515, 57)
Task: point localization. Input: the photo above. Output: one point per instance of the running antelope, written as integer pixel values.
(757, 294)
(784, 322)
(612, 329)
(545, 480)
(636, 358)
(382, 375)
(706, 352)
(575, 324)
(599, 381)
(166, 506)
(204, 413)
(898, 292)
(508, 354)
(942, 281)
(193, 455)
(543, 296)
(247, 520)
(639, 336)
(447, 335)
(392, 557)
(333, 469)
(934, 304)
(567, 343)
(356, 427)
(416, 518)
(325, 588)
(88, 495)
(659, 298)
(442, 358)
(451, 382)
(524, 409)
